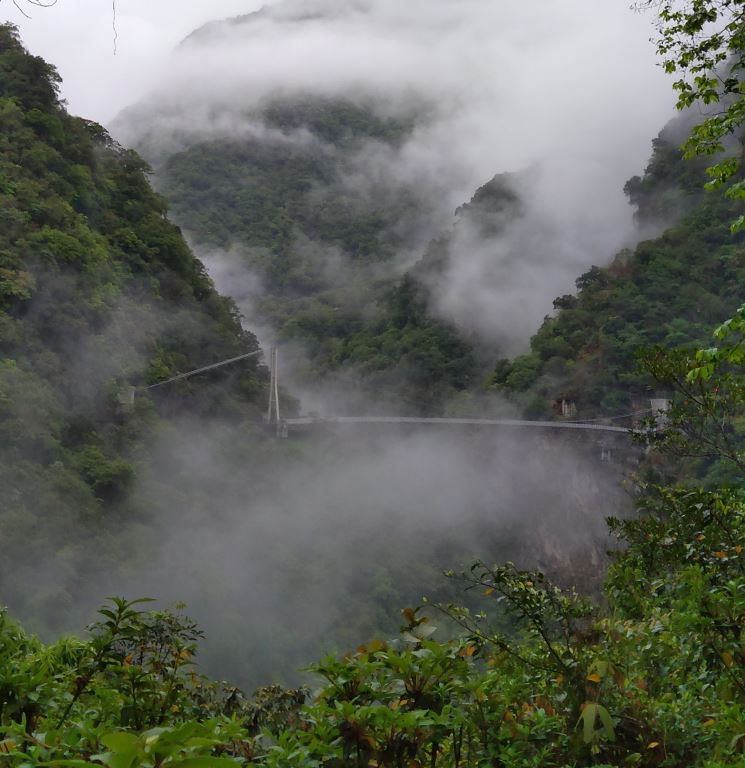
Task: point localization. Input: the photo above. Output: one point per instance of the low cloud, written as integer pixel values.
(284, 554)
(564, 87)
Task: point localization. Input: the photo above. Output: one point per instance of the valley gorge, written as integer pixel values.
(345, 218)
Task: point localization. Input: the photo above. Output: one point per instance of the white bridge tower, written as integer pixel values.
(272, 412)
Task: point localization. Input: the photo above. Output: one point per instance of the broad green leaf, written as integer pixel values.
(588, 721)
(65, 764)
(121, 742)
(608, 729)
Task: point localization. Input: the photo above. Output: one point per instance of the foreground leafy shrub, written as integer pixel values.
(653, 678)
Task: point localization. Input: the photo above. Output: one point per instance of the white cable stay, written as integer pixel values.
(201, 370)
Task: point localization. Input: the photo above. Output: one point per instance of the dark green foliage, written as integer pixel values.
(267, 194)
(653, 676)
(492, 204)
(324, 247)
(669, 186)
(98, 292)
(703, 421)
(668, 291)
(27, 80)
(403, 351)
(335, 121)
(702, 42)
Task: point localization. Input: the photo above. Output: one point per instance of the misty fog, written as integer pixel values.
(312, 547)
(274, 555)
(561, 88)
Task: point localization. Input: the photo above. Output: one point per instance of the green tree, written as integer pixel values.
(706, 419)
(702, 42)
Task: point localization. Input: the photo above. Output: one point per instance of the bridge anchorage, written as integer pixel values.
(608, 436)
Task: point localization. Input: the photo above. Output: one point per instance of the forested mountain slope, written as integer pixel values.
(324, 247)
(651, 676)
(369, 286)
(287, 550)
(668, 291)
(98, 293)
(177, 494)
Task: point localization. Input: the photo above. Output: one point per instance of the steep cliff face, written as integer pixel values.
(98, 293)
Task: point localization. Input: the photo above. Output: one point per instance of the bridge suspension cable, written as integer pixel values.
(610, 418)
(284, 425)
(201, 370)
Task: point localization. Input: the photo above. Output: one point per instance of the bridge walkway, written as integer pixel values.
(309, 422)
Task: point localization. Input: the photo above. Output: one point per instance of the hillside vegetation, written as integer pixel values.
(98, 293)
(653, 678)
(327, 250)
(668, 291)
(330, 271)
(104, 491)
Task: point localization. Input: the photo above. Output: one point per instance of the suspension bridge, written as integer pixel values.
(600, 430)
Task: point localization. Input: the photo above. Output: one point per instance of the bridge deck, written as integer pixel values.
(308, 421)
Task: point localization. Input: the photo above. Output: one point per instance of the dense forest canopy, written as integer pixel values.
(98, 293)
(325, 253)
(325, 261)
(315, 196)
